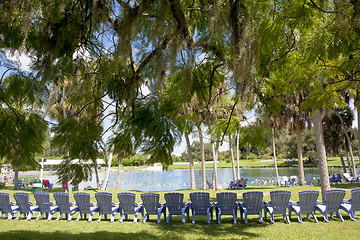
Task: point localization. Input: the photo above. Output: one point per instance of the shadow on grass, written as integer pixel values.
(18, 234)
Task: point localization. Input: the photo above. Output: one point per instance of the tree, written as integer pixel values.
(22, 125)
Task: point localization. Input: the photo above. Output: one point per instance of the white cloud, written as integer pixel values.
(21, 59)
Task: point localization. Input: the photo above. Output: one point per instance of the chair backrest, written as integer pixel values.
(22, 200)
(226, 201)
(307, 201)
(200, 202)
(333, 199)
(280, 201)
(151, 202)
(174, 202)
(253, 201)
(62, 200)
(5, 204)
(308, 178)
(127, 202)
(43, 201)
(355, 199)
(83, 202)
(104, 202)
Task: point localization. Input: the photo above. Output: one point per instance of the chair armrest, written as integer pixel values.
(266, 203)
(239, 204)
(347, 201)
(12, 203)
(91, 204)
(291, 203)
(71, 204)
(51, 203)
(188, 204)
(31, 204)
(163, 204)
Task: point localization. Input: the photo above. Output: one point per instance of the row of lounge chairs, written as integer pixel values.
(200, 205)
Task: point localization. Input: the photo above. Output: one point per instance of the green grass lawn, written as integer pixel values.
(331, 161)
(254, 230)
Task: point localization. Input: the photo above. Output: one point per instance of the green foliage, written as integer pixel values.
(254, 135)
(78, 138)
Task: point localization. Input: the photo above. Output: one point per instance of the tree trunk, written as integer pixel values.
(342, 160)
(300, 157)
(202, 150)
(191, 163)
(348, 158)
(232, 158)
(274, 153)
(349, 143)
(106, 178)
(97, 176)
(215, 154)
(117, 184)
(237, 155)
(321, 152)
(16, 178)
(357, 105)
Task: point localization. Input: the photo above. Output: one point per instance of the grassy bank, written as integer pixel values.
(253, 163)
(128, 230)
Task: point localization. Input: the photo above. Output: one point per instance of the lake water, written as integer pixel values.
(148, 181)
(176, 179)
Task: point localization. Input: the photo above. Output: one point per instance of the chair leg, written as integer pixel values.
(193, 217)
(218, 215)
(339, 215)
(17, 218)
(9, 217)
(261, 219)
(122, 217)
(91, 216)
(313, 213)
(112, 217)
(100, 216)
(29, 217)
(37, 219)
(169, 217)
(144, 218)
(287, 218)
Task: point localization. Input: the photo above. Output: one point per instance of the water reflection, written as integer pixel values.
(176, 179)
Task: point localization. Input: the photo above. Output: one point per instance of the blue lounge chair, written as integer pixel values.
(252, 205)
(85, 206)
(236, 185)
(176, 206)
(6, 206)
(305, 205)
(226, 205)
(308, 179)
(64, 206)
(331, 204)
(128, 205)
(25, 206)
(352, 205)
(201, 205)
(278, 205)
(45, 206)
(106, 205)
(152, 206)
